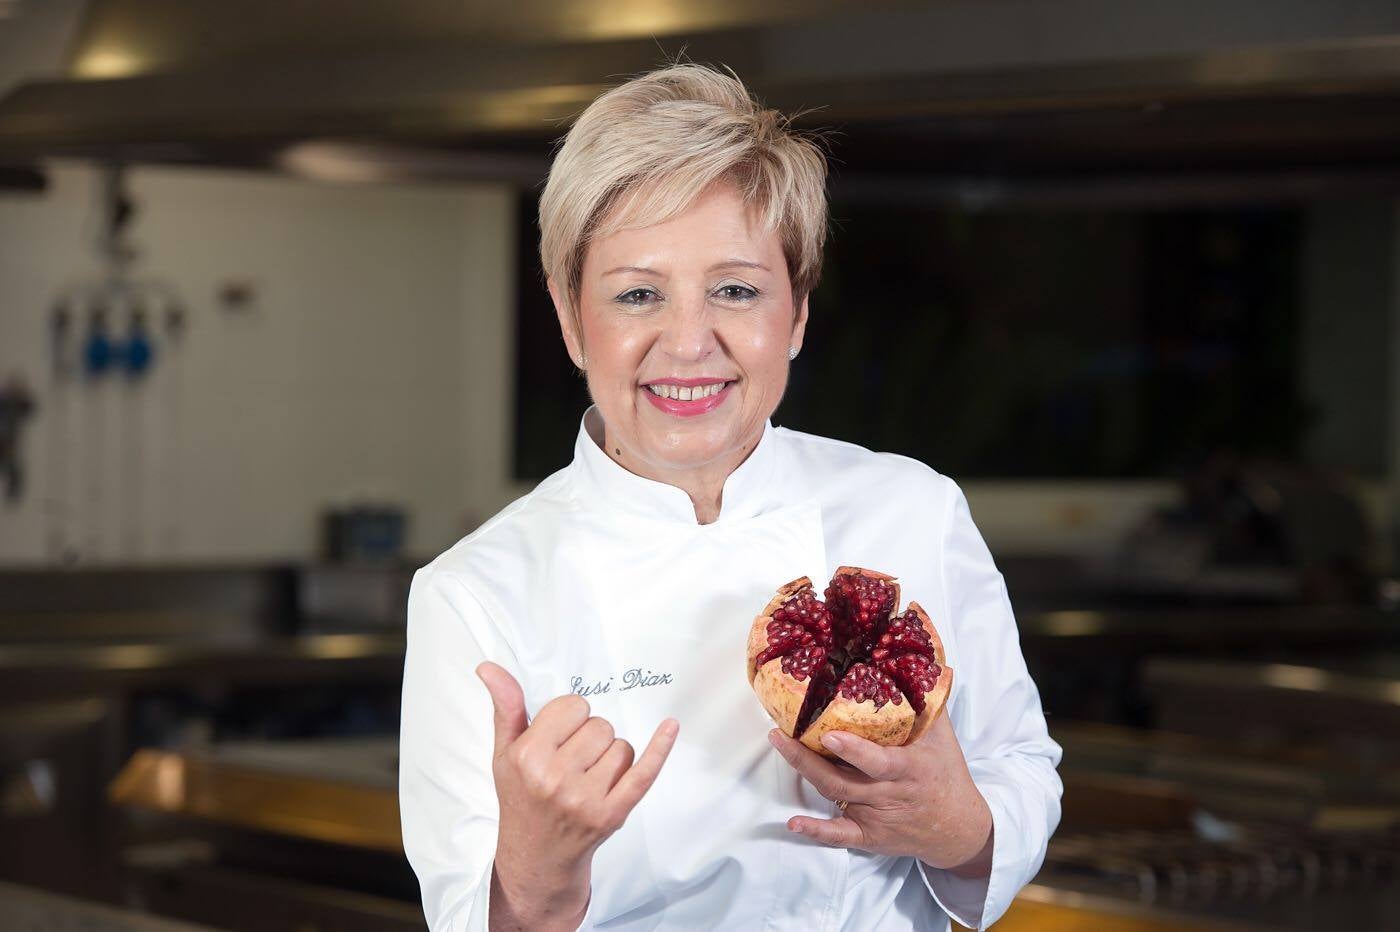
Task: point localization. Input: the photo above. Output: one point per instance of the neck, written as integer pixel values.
(704, 484)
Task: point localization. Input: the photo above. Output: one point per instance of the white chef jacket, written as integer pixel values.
(601, 582)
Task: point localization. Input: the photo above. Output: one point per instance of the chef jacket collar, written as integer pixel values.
(747, 490)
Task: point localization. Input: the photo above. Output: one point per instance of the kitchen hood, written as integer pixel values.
(364, 89)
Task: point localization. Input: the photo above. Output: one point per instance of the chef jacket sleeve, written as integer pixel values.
(447, 794)
(995, 712)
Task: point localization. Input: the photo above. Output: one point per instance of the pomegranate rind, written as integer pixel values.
(758, 642)
(935, 699)
(927, 622)
(758, 632)
(890, 725)
(873, 574)
(934, 702)
(780, 694)
(786, 592)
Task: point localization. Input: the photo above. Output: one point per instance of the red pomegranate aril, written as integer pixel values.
(916, 675)
(863, 682)
(783, 638)
(804, 610)
(858, 603)
(905, 634)
(804, 661)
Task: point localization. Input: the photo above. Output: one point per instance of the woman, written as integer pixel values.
(608, 609)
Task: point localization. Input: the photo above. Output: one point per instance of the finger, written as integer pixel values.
(633, 784)
(508, 701)
(842, 832)
(558, 720)
(585, 746)
(829, 779)
(611, 766)
(874, 760)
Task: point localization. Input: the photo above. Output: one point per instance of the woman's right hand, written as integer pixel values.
(565, 783)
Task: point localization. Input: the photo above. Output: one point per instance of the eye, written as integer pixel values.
(736, 292)
(637, 297)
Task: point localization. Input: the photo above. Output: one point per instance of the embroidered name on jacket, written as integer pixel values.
(635, 678)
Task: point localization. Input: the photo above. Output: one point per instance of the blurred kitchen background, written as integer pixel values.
(272, 335)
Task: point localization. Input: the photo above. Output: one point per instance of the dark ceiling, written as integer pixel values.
(937, 92)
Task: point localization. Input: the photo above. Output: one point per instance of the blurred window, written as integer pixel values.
(1059, 343)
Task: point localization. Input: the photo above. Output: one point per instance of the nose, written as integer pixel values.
(688, 331)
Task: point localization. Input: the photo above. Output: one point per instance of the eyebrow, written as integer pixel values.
(726, 264)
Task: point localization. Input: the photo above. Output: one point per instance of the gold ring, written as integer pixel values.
(840, 804)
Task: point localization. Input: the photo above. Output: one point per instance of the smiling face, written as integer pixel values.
(698, 308)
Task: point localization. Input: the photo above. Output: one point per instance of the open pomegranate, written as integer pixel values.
(851, 663)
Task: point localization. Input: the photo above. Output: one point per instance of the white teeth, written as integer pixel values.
(679, 393)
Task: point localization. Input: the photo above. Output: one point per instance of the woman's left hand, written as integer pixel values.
(915, 800)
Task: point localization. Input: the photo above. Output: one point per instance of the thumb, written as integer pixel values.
(509, 701)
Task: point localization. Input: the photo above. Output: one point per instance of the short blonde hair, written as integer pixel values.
(645, 150)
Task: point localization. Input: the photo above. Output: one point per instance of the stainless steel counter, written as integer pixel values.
(344, 793)
(333, 791)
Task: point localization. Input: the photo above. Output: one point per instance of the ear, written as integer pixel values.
(573, 341)
(799, 325)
